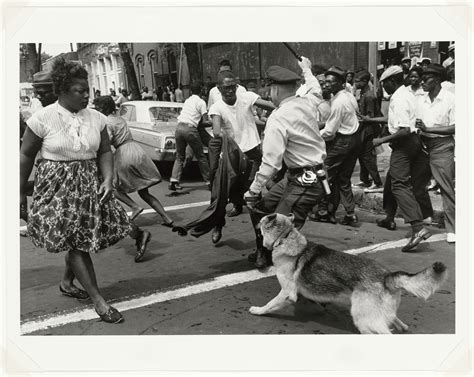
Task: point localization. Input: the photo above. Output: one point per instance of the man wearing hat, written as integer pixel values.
(409, 164)
(290, 137)
(406, 65)
(435, 118)
(340, 132)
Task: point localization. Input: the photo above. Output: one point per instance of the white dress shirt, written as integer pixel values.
(439, 113)
(343, 116)
(402, 110)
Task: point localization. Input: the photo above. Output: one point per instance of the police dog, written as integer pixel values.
(325, 275)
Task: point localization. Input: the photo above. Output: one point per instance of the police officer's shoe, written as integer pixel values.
(235, 211)
(216, 235)
(416, 238)
(387, 224)
(263, 258)
(349, 220)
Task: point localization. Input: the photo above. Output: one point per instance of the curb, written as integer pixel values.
(374, 203)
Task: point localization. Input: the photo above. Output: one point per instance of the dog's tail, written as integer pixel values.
(422, 284)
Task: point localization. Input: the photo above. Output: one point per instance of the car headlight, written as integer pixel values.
(170, 143)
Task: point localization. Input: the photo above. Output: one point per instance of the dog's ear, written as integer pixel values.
(271, 217)
(291, 217)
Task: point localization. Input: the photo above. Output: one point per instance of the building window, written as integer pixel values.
(140, 63)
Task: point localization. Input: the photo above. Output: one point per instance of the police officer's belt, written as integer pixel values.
(297, 171)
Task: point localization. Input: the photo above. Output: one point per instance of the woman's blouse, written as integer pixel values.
(118, 130)
(67, 136)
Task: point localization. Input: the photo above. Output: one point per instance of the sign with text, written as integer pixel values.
(380, 46)
(415, 49)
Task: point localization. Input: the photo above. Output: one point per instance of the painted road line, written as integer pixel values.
(391, 244)
(151, 210)
(134, 302)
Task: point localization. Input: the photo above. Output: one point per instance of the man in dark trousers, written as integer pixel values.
(409, 163)
(341, 133)
(368, 107)
(290, 137)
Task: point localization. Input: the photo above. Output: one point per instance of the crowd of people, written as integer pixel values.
(290, 146)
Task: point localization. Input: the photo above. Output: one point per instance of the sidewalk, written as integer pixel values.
(373, 201)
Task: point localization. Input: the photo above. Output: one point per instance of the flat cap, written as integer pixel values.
(42, 78)
(422, 59)
(280, 75)
(391, 71)
(336, 71)
(406, 59)
(435, 69)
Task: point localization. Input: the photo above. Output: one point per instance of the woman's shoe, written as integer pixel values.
(78, 293)
(141, 243)
(112, 315)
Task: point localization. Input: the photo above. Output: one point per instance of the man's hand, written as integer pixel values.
(251, 198)
(420, 125)
(377, 141)
(305, 64)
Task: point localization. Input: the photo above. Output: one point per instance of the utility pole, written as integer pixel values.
(129, 71)
(192, 56)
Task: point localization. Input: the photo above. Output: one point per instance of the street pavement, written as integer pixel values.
(186, 285)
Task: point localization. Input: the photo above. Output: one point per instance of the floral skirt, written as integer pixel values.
(65, 213)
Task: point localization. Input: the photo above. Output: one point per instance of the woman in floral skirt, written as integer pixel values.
(73, 210)
(133, 169)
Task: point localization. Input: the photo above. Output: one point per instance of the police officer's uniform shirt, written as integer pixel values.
(290, 136)
(343, 118)
(215, 95)
(193, 109)
(238, 121)
(402, 110)
(439, 113)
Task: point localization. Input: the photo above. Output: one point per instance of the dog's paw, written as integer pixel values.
(256, 310)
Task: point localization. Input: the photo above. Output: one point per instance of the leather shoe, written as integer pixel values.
(252, 257)
(216, 235)
(235, 211)
(416, 238)
(263, 258)
(349, 220)
(387, 224)
(325, 218)
(112, 315)
(141, 243)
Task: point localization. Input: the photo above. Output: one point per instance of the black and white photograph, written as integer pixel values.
(197, 188)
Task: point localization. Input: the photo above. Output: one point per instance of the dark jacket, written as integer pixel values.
(232, 171)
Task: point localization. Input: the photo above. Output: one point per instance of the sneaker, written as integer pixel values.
(374, 188)
(361, 185)
(451, 237)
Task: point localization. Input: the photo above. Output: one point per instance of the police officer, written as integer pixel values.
(292, 138)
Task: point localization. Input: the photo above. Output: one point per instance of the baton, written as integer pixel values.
(293, 51)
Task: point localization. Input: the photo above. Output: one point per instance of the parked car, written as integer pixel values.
(153, 124)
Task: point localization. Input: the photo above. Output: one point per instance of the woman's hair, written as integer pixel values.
(105, 104)
(65, 73)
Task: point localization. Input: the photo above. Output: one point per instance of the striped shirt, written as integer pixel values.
(67, 136)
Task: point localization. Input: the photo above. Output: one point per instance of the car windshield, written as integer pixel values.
(164, 114)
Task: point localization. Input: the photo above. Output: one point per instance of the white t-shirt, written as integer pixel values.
(215, 95)
(238, 121)
(193, 109)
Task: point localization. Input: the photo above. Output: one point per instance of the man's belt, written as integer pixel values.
(301, 170)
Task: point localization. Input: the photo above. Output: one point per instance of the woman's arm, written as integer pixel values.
(29, 149)
(106, 167)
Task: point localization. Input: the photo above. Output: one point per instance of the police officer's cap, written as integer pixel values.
(42, 78)
(280, 75)
(435, 69)
(336, 71)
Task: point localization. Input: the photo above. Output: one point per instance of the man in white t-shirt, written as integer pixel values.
(233, 115)
(214, 93)
(187, 134)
